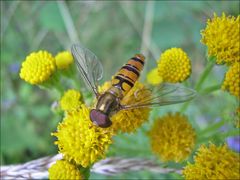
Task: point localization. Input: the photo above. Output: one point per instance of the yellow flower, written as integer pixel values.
(221, 36)
(174, 65)
(70, 100)
(64, 59)
(232, 80)
(213, 163)
(172, 137)
(38, 67)
(129, 120)
(80, 140)
(153, 77)
(63, 169)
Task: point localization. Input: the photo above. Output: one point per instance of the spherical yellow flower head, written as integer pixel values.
(213, 163)
(172, 137)
(80, 140)
(70, 100)
(221, 36)
(38, 67)
(63, 169)
(174, 65)
(153, 77)
(129, 120)
(232, 80)
(64, 59)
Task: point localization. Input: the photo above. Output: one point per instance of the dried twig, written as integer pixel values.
(38, 169)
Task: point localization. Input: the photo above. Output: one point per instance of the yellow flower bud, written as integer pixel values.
(153, 77)
(64, 59)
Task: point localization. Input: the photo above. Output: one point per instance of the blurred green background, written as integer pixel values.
(114, 31)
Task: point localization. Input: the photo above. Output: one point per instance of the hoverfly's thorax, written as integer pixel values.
(117, 92)
(129, 74)
(107, 103)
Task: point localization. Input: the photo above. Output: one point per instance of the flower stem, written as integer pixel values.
(212, 128)
(53, 83)
(57, 83)
(74, 76)
(220, 135)
(234, 132)
(205, 73)
(85, 172)
(211, 89)
(210, 64)
(77, 83)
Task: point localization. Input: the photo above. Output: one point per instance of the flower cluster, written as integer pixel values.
(213, 163)
(174, 65)
(172, 137)
(222, 36)
(232, 80)
(63, 169)
(81, 141)
(70, 100)
(131, 119)
(38, 67)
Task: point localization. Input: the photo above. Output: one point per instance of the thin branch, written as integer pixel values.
(38, 169)
(211, 89)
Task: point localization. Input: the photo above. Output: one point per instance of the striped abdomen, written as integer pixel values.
(128, 74)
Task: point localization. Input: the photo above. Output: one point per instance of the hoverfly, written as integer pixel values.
(109, 102)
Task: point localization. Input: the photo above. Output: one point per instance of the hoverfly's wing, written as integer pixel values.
(88, 65)
(164, 94)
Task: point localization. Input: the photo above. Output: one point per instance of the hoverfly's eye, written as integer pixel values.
(100, 119)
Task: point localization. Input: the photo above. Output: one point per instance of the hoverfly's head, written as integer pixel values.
(99, 118)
